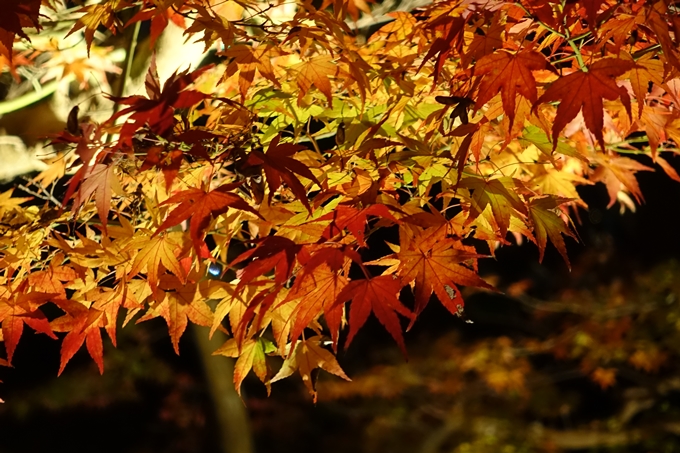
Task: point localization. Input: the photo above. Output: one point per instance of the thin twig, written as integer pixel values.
(47, 196)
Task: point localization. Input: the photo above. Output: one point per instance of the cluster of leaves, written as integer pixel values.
(458, 128)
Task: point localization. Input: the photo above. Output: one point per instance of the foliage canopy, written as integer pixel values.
(291, 167)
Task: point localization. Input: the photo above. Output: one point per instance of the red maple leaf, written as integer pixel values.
(272, 252)
(452, 28)
(354, 220)
(201, 206)
(583, 91)
(98, 180)
(279, 166)
(380, 296)
(160, 18)
(168, 162)
(157, 112)
(17, 15)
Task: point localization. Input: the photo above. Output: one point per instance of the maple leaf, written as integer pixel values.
(158, 253)
(17, 15)
(272, 252)
(352, 7)
(656, 20)
(307, 356)
(318, 289)
(200, 206)
(216, 24)
(247, 61)
(511, 75)
(434, 262)
(102, 14)
(380, 296)
(486, 39)
(100, 180)
(315, 72)
(161, 15)
(250, 356)
(51, 280)
(280, 166)
(645, 71)
(354, 220)
(9, 203)
(617, 172)
(179, 304)
(668, 168)
(157, 112)
(452, 28)
(18, 308)
(83, 326)
(168, 162)
(497, 193)
(547, 224)
(584, 92)
(110, 301)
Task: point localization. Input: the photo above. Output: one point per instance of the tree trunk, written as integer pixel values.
(231, 414)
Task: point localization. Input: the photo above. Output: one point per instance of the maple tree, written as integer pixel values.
(459, 127)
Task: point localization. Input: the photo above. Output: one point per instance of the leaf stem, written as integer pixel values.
(538, 21)
(127, 67)
(577, 54)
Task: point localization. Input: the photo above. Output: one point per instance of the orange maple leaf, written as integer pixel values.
(307, 356)
(436, 263)
(646, 71)
(82, 325)
(18, 308)
(511, 75)
(352, 7)
(618, 172)
(109, 301)
(583, 91)
(247, 60)
(179, 304)
(319, 289)
(379, 295)
(316, 72)
(99, 15)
